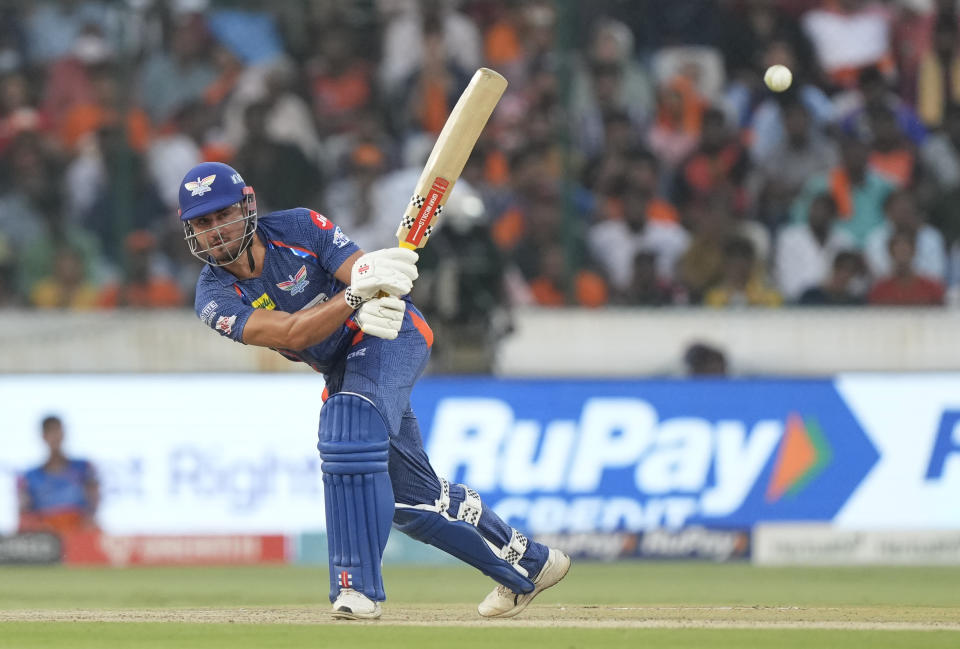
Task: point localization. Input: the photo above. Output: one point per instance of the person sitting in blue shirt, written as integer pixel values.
(61, 495)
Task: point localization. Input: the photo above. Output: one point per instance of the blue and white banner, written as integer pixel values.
(565, 456)
(202, 454)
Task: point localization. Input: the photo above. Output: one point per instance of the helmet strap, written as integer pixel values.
(250, 258)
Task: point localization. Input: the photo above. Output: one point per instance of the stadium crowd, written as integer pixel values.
(636, 158)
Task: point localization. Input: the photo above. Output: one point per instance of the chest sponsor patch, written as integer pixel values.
(296, 283)
(264, 302)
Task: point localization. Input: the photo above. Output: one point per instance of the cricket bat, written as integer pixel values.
(457, 139)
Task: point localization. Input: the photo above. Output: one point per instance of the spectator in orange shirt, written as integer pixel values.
(589, 288)
(718, 161)
(891, 153)
(904, 287)
(141, 287)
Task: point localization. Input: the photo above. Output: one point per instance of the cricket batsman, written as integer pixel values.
(293, 281)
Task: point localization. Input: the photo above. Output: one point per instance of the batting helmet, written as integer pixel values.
(209, 187)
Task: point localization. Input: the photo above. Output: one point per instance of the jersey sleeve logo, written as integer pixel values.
(320, 220)
(200, 186)
(225, 324)
(297, 283)
(339, 238)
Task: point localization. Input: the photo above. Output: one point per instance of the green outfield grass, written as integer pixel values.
(598, 605)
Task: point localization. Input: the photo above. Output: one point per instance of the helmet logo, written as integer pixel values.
(200, 186)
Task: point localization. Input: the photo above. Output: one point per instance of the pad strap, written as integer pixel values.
(513, 551)
(471, 507)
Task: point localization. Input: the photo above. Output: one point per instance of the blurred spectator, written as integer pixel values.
(353, 201)
(646, 287)
(288, 118)
(52, 26)
(431, 34)
(767, 120)
(71, 80)
(805, 251)
(547, 285)
(750, 31)
(170, 80)
(62, 494)
(701, 64)
(701, 359)
(710, 223)
(718, 161)
(250, 33)
(530, 183)
(614, 243)
(433, 87)
(109, 188)
(142, 286)
(17, 112)
(851, 109)
(938, 83)
(940, 154)
(904, 217)
(32, 215)
(9, 294)
(742, 283)
(179, 148)
(677, 121)
(857, 191)
(67, 287)
(904, 287)
(610, 81)
(892, 155)
(106, 106)
(781, 172)
(845, 286)
(848, 35)
(279, 169)
(340, 81)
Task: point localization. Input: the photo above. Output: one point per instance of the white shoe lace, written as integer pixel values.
(503, 591)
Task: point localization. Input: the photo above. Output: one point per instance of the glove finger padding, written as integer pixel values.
(391, 270)
(382, 317)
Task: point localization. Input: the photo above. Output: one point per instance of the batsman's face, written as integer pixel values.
(220, 233)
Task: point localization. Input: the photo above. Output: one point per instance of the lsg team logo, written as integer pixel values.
(200, 186)
(297, 283)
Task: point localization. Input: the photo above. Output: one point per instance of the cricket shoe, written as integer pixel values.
(352, 605)
(503, 602)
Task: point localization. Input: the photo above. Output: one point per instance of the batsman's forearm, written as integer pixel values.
(318, 323)
(297, 330)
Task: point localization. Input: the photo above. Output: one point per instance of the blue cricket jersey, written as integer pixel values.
(304, 250)
(66, 490)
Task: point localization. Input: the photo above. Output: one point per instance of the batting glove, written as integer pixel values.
(391, 270)
(381, 317)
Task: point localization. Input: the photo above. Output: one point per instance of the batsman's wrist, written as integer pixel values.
(353, 299)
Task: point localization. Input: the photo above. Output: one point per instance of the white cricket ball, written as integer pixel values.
(778, 77)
